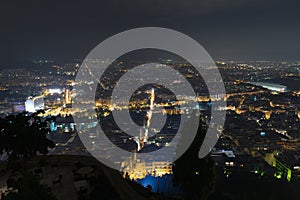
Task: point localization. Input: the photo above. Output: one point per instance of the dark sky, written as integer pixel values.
(228, 29)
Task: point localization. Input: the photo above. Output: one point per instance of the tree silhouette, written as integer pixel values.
(24, 135)
(195, 176)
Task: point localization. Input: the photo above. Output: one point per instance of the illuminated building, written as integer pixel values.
(272, 87)
(137, 169)
(18, 108)
(29, 105)
(227, 153)
(33, 104)
(286, 165)
(68, 99)
(55, 91)
(283, 171)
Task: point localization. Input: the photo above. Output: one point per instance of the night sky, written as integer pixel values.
(228, 29)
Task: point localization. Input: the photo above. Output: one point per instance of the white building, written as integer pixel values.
(33, 104)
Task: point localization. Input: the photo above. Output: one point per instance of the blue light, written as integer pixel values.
(161, 184)
(52, 126)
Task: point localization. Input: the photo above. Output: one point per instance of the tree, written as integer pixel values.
(24, 135)
(195, 176)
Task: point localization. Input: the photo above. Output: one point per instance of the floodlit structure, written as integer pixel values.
(55, 91)
(68, 98)
(272, 87)
(33, 104)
